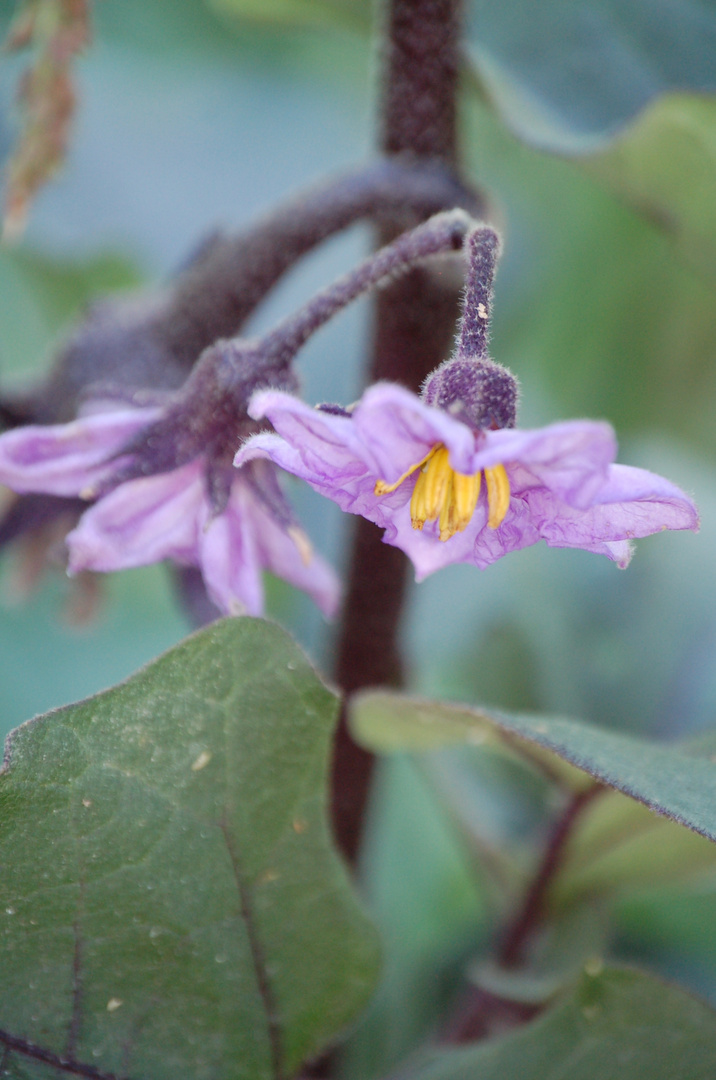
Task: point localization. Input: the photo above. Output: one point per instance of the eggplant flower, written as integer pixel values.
(448, 490)
(231, 525)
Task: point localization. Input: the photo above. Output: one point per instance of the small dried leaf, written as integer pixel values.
(56, 30)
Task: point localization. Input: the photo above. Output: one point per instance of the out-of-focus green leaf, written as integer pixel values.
(616, 1024)
(619, 843)
(579, 936)
(40, 295)
(671, 918)
(664, 165)
(387, 722)
(566, 74)
(625, 86)
(426, 893)
(171, 902)
(352, 13)
(667, 778)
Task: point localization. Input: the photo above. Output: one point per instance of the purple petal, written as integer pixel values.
(424, 548)
(238, 545)
(230, 562)
(398, 430)
(571, 458)
(477, 544)
(326, 444)
(67, 459)
(348, 482)
(278, 552)
(143, 521)
(632, 503)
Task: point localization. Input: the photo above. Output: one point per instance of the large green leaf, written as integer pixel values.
(664, 165)
(171, 901)
(620, 844)
(617, 1024)
(566, 74)
(674, 781)
(626, 86)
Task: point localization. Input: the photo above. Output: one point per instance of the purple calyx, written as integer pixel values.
(480, 393)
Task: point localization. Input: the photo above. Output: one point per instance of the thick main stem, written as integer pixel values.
(414, 327)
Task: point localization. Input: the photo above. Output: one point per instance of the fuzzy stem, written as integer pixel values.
(214, 298)
(442, 233)
(155, 343)
(414, 326)
(483, 252)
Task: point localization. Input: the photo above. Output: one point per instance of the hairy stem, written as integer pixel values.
(484, 247)
(442, 233)
(215, 297)
(154, 341)
(414, 326)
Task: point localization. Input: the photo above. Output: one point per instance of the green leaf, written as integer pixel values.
(567, 74)
(171, 903)
(664, 165)
(623, 91)
(426, 895)
(667, 778)
(616, 1024)
(670, 919)
(40, 295)
(620, 844)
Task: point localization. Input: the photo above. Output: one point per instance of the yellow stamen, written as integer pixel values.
(441, 494)
(438, 477)
(447, 523)
(381, 488)
(467, 492)
(498, 495)
(418, 511)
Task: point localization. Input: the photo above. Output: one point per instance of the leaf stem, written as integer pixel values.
(482, 1013)
(529, 915)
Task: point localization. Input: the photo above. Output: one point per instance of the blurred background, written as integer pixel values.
(591, 129)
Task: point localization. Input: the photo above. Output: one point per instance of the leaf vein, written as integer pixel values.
(257, 955)
(47, 1057)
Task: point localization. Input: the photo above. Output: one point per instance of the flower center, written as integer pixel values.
(441, 494)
